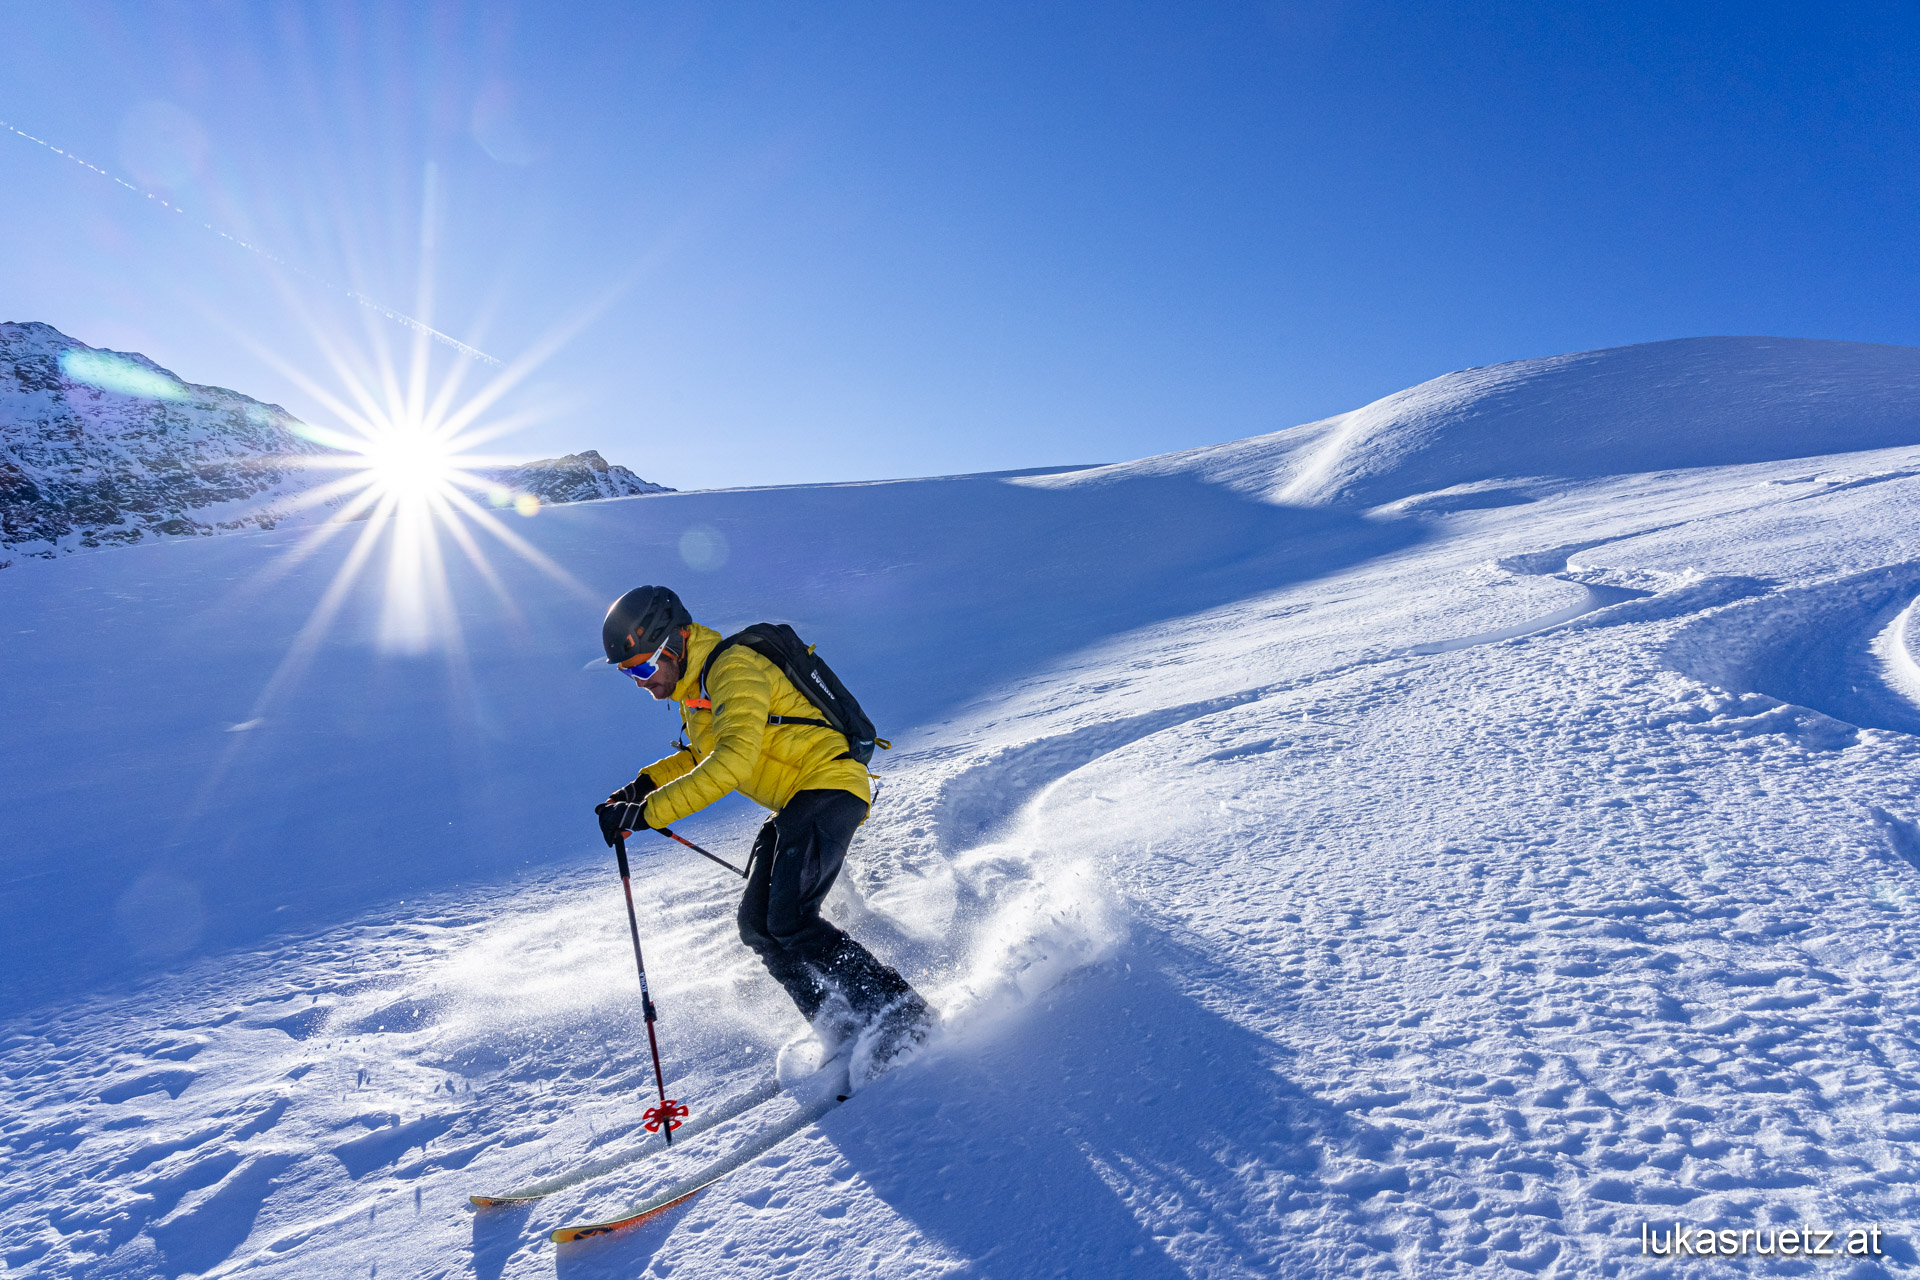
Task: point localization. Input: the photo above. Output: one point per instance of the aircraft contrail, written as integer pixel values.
(398, 317)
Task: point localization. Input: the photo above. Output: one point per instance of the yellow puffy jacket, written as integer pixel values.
(735, 749)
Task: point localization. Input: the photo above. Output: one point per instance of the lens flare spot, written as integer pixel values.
(703, 548)
(109, 371)
(527, 505)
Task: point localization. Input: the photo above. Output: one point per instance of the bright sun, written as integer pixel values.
(409, 481)
(411, 464)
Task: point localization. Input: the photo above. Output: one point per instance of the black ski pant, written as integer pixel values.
(796, 858)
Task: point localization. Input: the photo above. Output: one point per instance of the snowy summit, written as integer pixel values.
(1479, 830)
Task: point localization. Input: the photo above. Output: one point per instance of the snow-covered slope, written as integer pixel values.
(104, 448)
(1694, 402)
(1362, 888)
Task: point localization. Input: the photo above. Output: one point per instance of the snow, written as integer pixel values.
(1448, 836)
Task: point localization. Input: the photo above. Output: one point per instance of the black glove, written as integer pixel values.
(634, 792)
(618, 817)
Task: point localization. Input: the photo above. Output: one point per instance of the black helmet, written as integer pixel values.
(641, 621)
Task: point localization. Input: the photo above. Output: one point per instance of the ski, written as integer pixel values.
(762, 1093)
(757, 1145)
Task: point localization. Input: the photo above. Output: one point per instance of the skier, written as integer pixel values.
(743, 736)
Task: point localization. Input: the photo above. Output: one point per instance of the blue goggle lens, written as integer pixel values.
(644, 670)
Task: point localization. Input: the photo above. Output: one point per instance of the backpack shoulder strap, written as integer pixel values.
(707, 666)
(753, 638)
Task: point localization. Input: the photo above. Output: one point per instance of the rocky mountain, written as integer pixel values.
(101, 448)
(578, 477)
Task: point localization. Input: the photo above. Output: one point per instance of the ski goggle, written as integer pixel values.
(643, 670)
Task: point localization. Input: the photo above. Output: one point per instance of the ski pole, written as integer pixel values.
(702, 852)
(665, 1114)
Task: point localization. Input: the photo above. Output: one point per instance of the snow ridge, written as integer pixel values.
(1504, 434)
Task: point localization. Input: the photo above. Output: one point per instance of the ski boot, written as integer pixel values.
(894, 1036)
(828, 1036)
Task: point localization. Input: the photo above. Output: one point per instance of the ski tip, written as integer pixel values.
(586, 1231)
(499, 1202)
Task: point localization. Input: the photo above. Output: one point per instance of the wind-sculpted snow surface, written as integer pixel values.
(1837, 647)
(1463, 886)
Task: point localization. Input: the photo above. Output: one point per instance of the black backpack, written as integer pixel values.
(778, 644)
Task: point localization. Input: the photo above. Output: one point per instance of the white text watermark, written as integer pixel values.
(1682, 1239)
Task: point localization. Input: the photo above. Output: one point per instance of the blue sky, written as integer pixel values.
(842, 241)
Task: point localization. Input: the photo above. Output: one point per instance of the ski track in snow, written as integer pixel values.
(1408, 920)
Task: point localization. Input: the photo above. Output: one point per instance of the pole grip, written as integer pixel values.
(620, 852)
